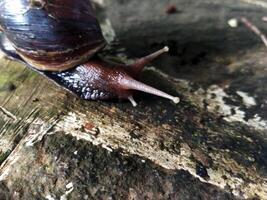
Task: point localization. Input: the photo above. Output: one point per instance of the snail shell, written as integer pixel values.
(52, 35)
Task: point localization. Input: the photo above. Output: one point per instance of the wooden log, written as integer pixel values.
(210, 146)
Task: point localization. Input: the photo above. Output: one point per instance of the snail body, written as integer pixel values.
(60, 39)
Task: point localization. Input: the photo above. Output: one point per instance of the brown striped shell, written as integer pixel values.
(52, 35)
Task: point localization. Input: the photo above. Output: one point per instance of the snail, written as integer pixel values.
(60, 39)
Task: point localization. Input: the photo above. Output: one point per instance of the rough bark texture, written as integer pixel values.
(213, 145)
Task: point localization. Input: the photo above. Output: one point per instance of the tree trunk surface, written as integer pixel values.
(212, 145)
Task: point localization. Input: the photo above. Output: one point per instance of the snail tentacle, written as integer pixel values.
(140, 63)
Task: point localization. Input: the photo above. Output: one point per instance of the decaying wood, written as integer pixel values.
(212, 145)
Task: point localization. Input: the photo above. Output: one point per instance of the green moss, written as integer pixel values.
(4, 155)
